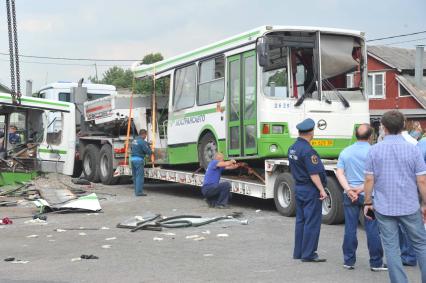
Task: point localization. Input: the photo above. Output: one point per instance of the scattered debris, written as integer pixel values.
(258, 210)
(199, 239)
(32, 236)
(6, 221)
(60, 230)
(106, 246)
(222, 235)
(84, 203)
(157, 239)
(168, 234)
(36, 221)
(49, 236)
(82, 234)
(207, 255)
(207, 232)
(9, 259)
(20, 261)
(80, 181)
(110, 239)
(104, 228)
(89, 214)
(76, 259)
(192, 236)
(89, 257)
(156, 222)
(8, 203)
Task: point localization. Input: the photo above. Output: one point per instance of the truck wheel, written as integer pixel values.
(332, 207)
(78, 169)
(106, 170)
(207, 149)
(284, 194)
(91, 163)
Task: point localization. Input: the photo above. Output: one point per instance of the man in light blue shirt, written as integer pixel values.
(396, 170)
(350, 173)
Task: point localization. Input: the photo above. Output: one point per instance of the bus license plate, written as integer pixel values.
(322, 142)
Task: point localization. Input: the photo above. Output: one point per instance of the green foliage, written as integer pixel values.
(152, 58)
(122, 78)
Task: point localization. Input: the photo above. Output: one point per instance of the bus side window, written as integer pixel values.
(211, 88)
(185, 87)
(64, 96)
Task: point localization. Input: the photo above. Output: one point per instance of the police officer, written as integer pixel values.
(140, 148)
(310, 179)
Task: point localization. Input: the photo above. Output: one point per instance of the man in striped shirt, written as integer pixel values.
(395, 169)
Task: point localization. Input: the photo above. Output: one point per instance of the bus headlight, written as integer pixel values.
(277, 129)
(273, 148)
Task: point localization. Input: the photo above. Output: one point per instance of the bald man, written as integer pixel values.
(350, 173)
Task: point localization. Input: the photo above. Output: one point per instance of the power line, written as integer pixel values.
(418, 39)
(396, 36)
(68, 64)
(73, 59)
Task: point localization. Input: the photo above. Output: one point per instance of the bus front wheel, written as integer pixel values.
(284, 195)
(207, 149)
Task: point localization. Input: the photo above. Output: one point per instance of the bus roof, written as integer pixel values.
(69, 85)
(226, 44)
(36, 103)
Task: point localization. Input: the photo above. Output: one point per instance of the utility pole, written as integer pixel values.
(96, 72)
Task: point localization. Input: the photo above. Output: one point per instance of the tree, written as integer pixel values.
(152, 58)
(122, 78)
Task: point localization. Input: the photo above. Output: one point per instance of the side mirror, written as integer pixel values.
(262, 51)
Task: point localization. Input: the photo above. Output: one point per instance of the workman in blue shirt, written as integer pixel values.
(14, 138)
(217, 194)
(310, 179)
(140, 148)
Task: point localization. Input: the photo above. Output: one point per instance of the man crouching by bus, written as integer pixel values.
(140, 148)
(217, 194)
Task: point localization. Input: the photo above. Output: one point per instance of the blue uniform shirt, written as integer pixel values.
(140, 148)
(14, 138)
(213, 173)
(352, 161)
(304, 162)
(422, 145)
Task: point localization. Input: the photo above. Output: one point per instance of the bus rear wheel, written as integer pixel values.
(91, 163)
(207, 149)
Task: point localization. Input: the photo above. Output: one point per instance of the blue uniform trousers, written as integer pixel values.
(138, 175)
(308, 222)
(350, 242)
(217, 194)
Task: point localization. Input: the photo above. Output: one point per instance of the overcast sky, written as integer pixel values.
(130, 29)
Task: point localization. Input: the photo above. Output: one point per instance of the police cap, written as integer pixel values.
(306, 125)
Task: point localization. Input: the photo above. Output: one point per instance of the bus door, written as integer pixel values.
(242, 114)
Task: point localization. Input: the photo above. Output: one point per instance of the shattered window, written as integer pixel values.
(54, 128)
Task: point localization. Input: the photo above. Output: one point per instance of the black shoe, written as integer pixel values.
(384, 267)
(141, 195)
(409, 264)
(314, 260)
(209, 203)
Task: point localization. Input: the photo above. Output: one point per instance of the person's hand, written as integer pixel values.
(250, 171)
(352, 195)
(366, 208)
(233, 161)
(424, 212)
(323, 194)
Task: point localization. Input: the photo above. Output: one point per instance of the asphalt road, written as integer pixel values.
(258, 252)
